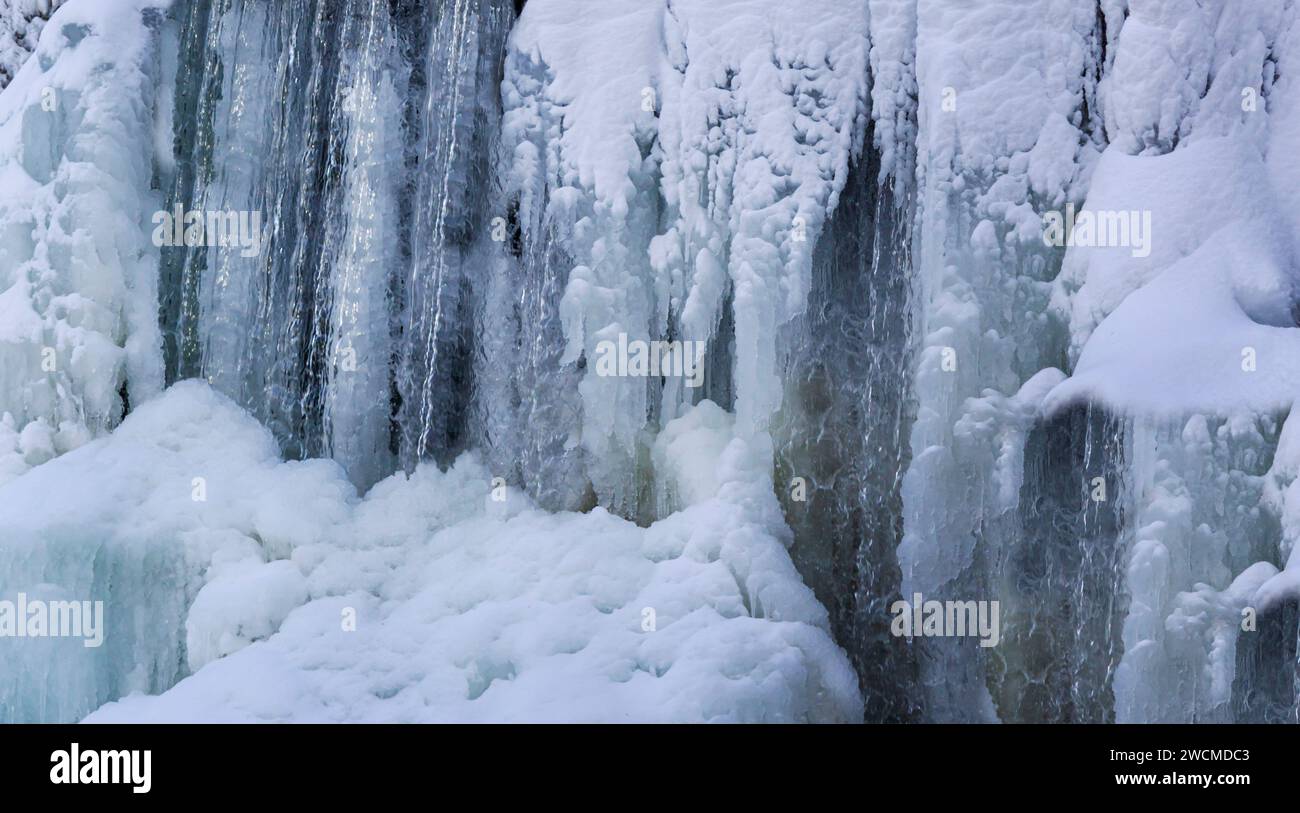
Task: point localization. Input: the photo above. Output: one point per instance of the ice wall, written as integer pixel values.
(997, 141)
(1119, 514)
(685, 181)
(79, 339)
(358, 134)
(841, 433)
(1196, 140)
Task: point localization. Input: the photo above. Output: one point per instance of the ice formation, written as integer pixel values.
(1151, 454)
(79, 334)
(403, 489)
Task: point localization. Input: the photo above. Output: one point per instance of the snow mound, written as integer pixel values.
(1202, 138)
(1221, 260)
(436, 597)
(186, 488)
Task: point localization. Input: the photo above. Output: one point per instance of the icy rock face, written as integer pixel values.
(358, 136)
(997, 142)
(458, 230)
(78, 330)
(1195, 565)
(741, 120)
(842, 431)
(1197, 138)
(726, 144)
(1136, 486)
(1204, 409)
(21, 22)
(283, 592)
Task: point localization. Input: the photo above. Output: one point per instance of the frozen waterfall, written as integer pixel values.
(641, 362)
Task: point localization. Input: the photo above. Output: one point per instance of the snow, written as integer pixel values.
(1198, 133)
(186, 480)
(893, 90)
(498, 611)
(243, 602)
(1221, 258)
(21, 22)
(687, 456)
(597, 77)
(1182, 71)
